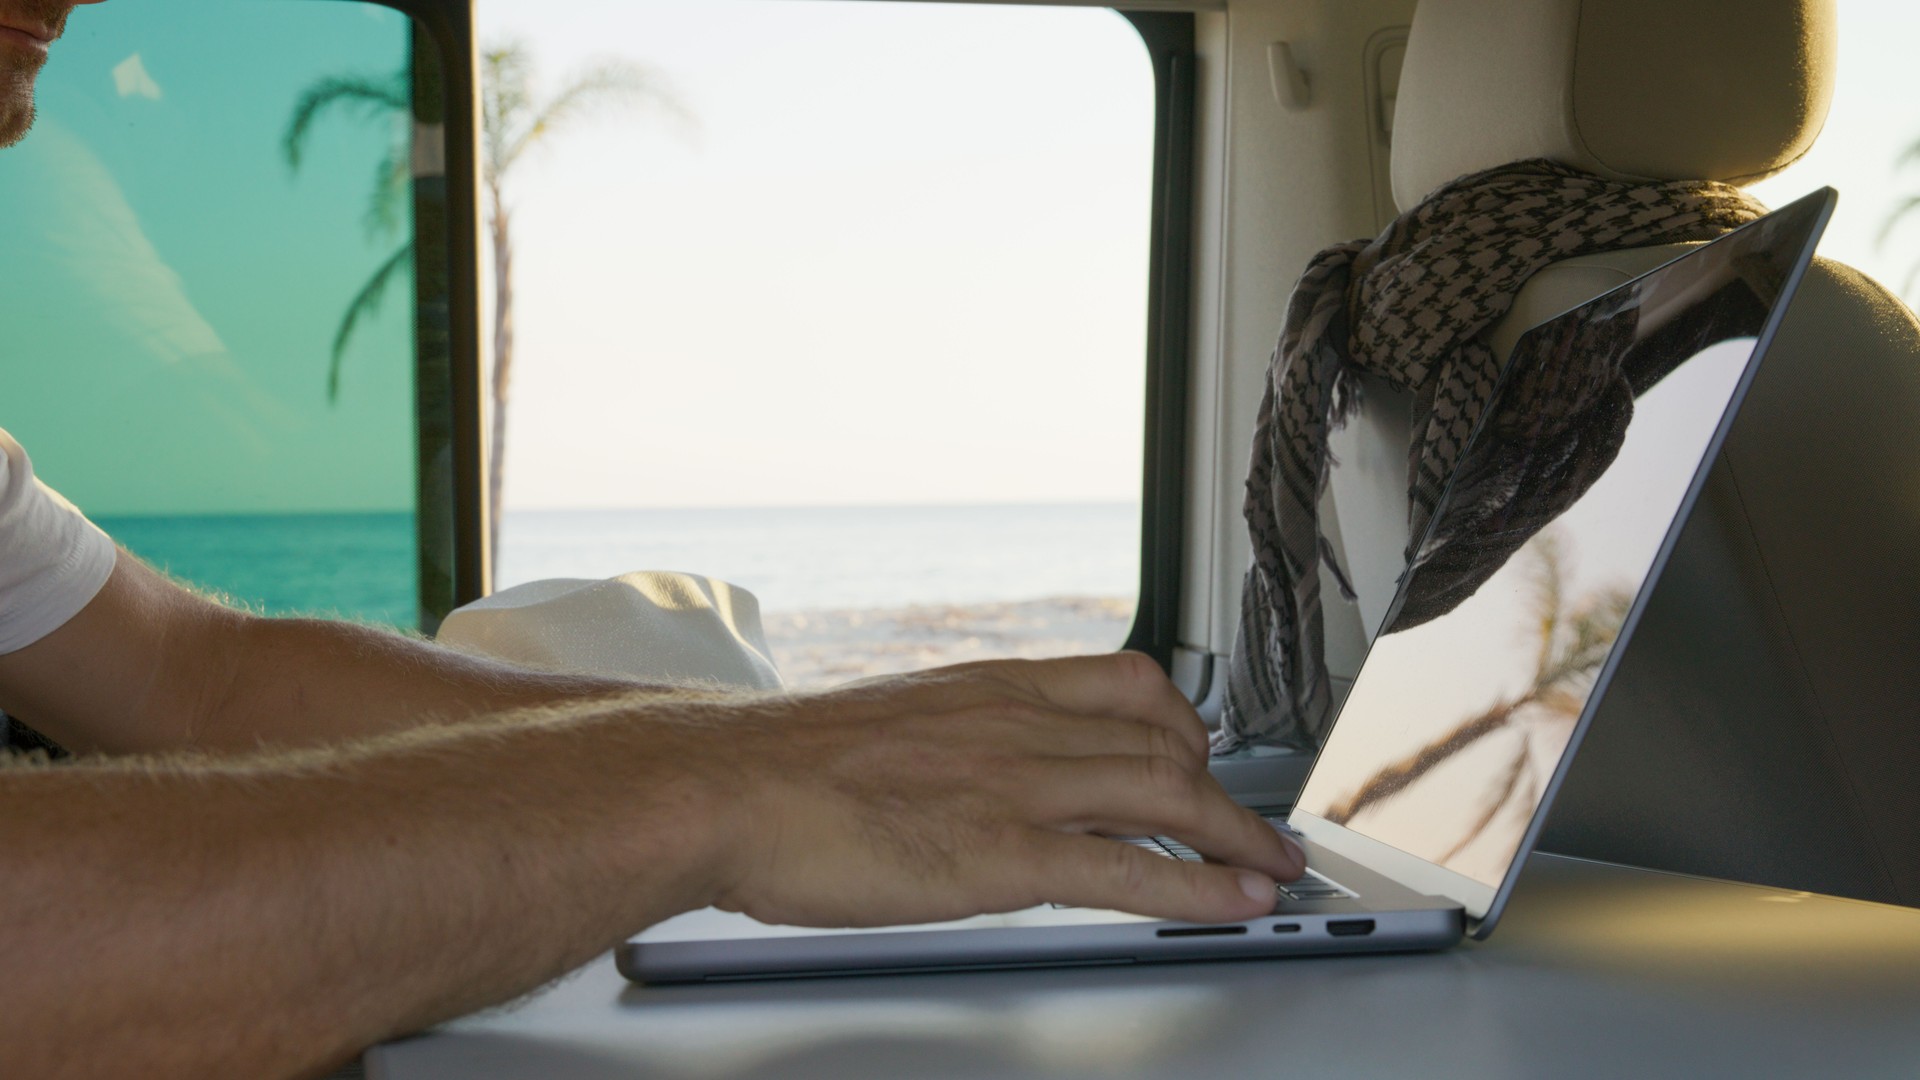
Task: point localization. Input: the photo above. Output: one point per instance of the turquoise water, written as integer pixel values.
(356, 566)
(360, 566)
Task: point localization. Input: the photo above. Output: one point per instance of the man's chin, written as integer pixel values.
(16, 117)
(12, 131)
(16, 97)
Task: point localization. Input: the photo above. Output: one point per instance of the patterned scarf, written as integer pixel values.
(1412, 307)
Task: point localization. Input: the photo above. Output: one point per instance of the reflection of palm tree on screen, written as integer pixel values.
(1573, 642)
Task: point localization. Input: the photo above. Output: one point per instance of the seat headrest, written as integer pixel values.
(1730, 90)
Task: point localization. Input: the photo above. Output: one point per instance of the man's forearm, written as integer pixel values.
(304, 682)
(149, 667)
(266, 917)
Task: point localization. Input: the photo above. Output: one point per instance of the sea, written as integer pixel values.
(360, 566)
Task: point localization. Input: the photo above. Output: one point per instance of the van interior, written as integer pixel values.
(271, 342)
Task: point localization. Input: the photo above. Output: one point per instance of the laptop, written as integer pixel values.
(1441, 765)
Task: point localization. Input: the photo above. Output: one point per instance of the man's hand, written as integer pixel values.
(264, 915)
(982, 788)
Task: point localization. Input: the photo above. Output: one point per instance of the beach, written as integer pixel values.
(823, 647)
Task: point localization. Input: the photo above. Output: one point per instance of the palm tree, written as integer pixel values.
(390, 98)
(515, 120)
(1900, 213)
(1572, 646)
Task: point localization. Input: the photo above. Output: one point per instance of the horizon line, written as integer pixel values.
(702, 507)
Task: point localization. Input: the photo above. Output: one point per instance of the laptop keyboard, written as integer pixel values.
(1312, 885)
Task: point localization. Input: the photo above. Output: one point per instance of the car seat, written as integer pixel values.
(1765, 723)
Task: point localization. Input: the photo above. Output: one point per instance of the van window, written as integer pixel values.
(174, 300)
(845, 303)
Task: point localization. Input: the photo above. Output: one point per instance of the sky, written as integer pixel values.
(170, 280)
(1875, 116)
(898, 256)
(901, 255)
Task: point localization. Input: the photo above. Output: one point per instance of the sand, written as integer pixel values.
(818, 648)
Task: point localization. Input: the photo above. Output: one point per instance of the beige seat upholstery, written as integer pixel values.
(1766, 722)
(1730, 90)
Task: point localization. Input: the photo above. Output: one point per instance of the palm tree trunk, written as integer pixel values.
(502, 365)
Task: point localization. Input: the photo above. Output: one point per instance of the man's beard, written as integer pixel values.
(17, 71)
(16, 102)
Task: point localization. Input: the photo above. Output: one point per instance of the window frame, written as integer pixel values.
(1169, 38)
(1170, 41)
(450, 440)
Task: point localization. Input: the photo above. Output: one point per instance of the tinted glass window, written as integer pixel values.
(174, 296)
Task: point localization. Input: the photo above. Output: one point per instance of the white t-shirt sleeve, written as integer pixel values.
(53, 561)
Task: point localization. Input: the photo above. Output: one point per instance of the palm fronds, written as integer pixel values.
(506, 93)
(392, 178)
(365, 302)
(1900, 213)
(1573, 644)
(516, 120)
(1501, 795)
(369, 96)
(1392, 779)
(372, 97)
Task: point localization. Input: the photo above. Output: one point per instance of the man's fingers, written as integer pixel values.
(1155, 796)
(1124, 686)
(1095, 872)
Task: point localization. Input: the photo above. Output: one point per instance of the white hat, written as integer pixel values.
(653, 625)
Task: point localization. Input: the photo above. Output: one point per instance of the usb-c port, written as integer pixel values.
(1350, 927)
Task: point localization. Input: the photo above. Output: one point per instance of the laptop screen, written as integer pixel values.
(1458, 721)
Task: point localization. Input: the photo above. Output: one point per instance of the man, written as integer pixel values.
(285, 840)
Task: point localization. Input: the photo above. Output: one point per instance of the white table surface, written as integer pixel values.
(1596, 971)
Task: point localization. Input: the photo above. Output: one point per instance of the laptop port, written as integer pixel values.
(1202, 931)
(1349, 927)
(1286, 928)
